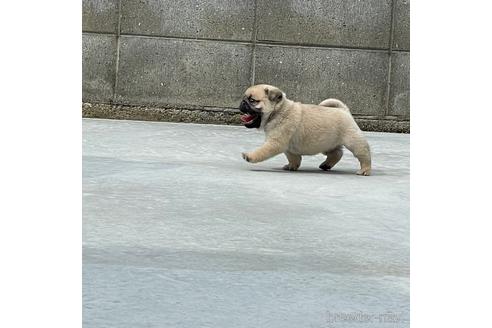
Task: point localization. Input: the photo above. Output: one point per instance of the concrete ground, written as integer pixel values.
(179, 231)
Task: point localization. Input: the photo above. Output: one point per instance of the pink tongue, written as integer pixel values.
(247, 118)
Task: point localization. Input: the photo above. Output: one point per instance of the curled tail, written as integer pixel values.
(332, 102)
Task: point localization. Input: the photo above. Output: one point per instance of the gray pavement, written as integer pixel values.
(179, 231)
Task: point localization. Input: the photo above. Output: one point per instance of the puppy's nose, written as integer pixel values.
(243, 106)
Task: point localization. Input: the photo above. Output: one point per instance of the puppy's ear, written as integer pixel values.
(274, 95)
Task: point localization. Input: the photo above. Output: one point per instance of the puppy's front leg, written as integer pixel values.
(269, 149)
(294, 161)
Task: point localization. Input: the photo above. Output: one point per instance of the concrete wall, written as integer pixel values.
(204, 54)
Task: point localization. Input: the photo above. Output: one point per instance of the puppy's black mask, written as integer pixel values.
(252, 117)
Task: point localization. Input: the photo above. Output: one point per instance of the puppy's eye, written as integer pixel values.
(251, 100)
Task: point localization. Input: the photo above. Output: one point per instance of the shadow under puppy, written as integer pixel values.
(297, 129)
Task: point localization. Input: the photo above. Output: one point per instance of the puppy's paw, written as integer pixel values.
(289, 167)
(365, 172)
(325, 167)
(246, 157)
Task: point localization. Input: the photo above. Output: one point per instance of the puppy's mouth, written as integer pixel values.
(248, 118)
(251, 118)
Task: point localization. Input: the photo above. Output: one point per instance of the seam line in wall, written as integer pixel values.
(253, 51)
(257, 43)
(118, 41)
(390, 59)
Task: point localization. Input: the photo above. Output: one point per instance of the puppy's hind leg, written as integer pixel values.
(294, 161)
(358, 145)
(332, 158)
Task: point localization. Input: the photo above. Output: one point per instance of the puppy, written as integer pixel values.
(297, 129)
